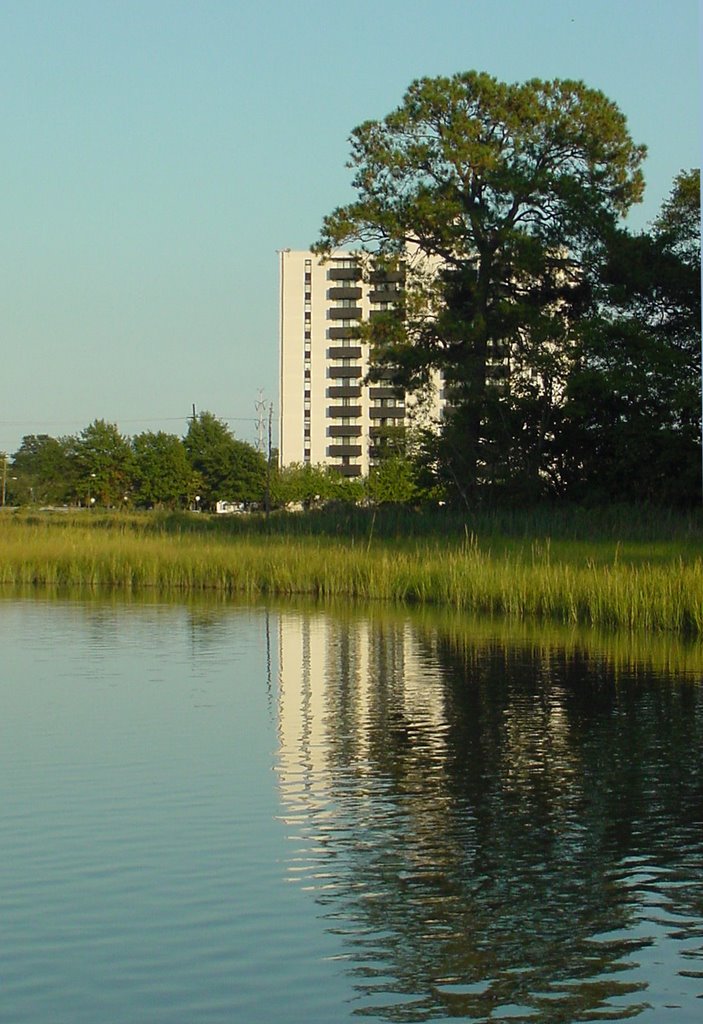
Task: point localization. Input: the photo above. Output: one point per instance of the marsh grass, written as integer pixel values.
(561, 576)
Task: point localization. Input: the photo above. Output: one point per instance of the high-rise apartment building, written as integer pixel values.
(328, 414)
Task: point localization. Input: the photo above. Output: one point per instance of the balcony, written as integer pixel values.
(347, 470)
(344, 274)
(384, 296)
(346, 391)
(344, 451)
(376, 393)
(343, 352)
(383, 276)
(340, 333)
(344, 313)
(343, 430)
(387, 412)
(343, 371)
(338, 412)
(344, 293)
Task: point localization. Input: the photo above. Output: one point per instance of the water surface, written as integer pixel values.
(223, 814)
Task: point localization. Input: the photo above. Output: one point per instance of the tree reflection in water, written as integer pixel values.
(494, 829)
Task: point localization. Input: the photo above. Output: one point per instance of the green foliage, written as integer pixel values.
(104, 464)
(42, 471)
(492, 196)
(228, 469)
(163, 476)
(631, 422)
(393, 481)
(310, 485)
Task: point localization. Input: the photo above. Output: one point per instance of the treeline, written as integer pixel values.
(102, 468)
(569, 347)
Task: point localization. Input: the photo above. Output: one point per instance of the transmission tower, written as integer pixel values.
(260, 405)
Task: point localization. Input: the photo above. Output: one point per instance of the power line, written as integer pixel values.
(120, 419)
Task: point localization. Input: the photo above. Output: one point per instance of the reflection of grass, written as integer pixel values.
(631, 584)
(661, 652)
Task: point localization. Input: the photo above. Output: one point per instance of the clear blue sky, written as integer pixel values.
(156, 153)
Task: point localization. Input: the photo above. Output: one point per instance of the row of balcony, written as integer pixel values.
(354, 391)
(333, 372)
(375, 295)
(354, 312)
(354, 430)
(384, 412)
(376, 276)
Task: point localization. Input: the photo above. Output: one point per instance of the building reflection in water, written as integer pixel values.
(492, 831)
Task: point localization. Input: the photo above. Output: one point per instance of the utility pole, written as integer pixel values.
(4, 477)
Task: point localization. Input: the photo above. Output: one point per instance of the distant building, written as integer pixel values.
(328, 413)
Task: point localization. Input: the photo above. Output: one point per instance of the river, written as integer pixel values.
(214, 813)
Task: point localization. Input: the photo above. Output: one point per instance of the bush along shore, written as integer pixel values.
(631, 584)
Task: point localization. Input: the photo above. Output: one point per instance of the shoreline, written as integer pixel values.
(615, 586)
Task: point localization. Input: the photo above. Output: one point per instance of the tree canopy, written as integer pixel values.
(228, 469)
(101, 467)
(42, 469)
(494, 197)
(633, 401)
(103, 463)
(162, 473)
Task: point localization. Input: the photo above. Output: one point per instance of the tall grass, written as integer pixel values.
(597, 583)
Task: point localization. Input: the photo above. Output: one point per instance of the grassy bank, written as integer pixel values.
(602, 579)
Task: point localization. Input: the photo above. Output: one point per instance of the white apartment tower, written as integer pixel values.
(328, 414)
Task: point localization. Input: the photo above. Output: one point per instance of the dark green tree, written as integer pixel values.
(229, 469)
(631, 425)
(163, 476)
(104, 465)
(42, 470)
(492, 196)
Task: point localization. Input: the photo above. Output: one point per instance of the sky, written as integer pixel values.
(157, 154)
